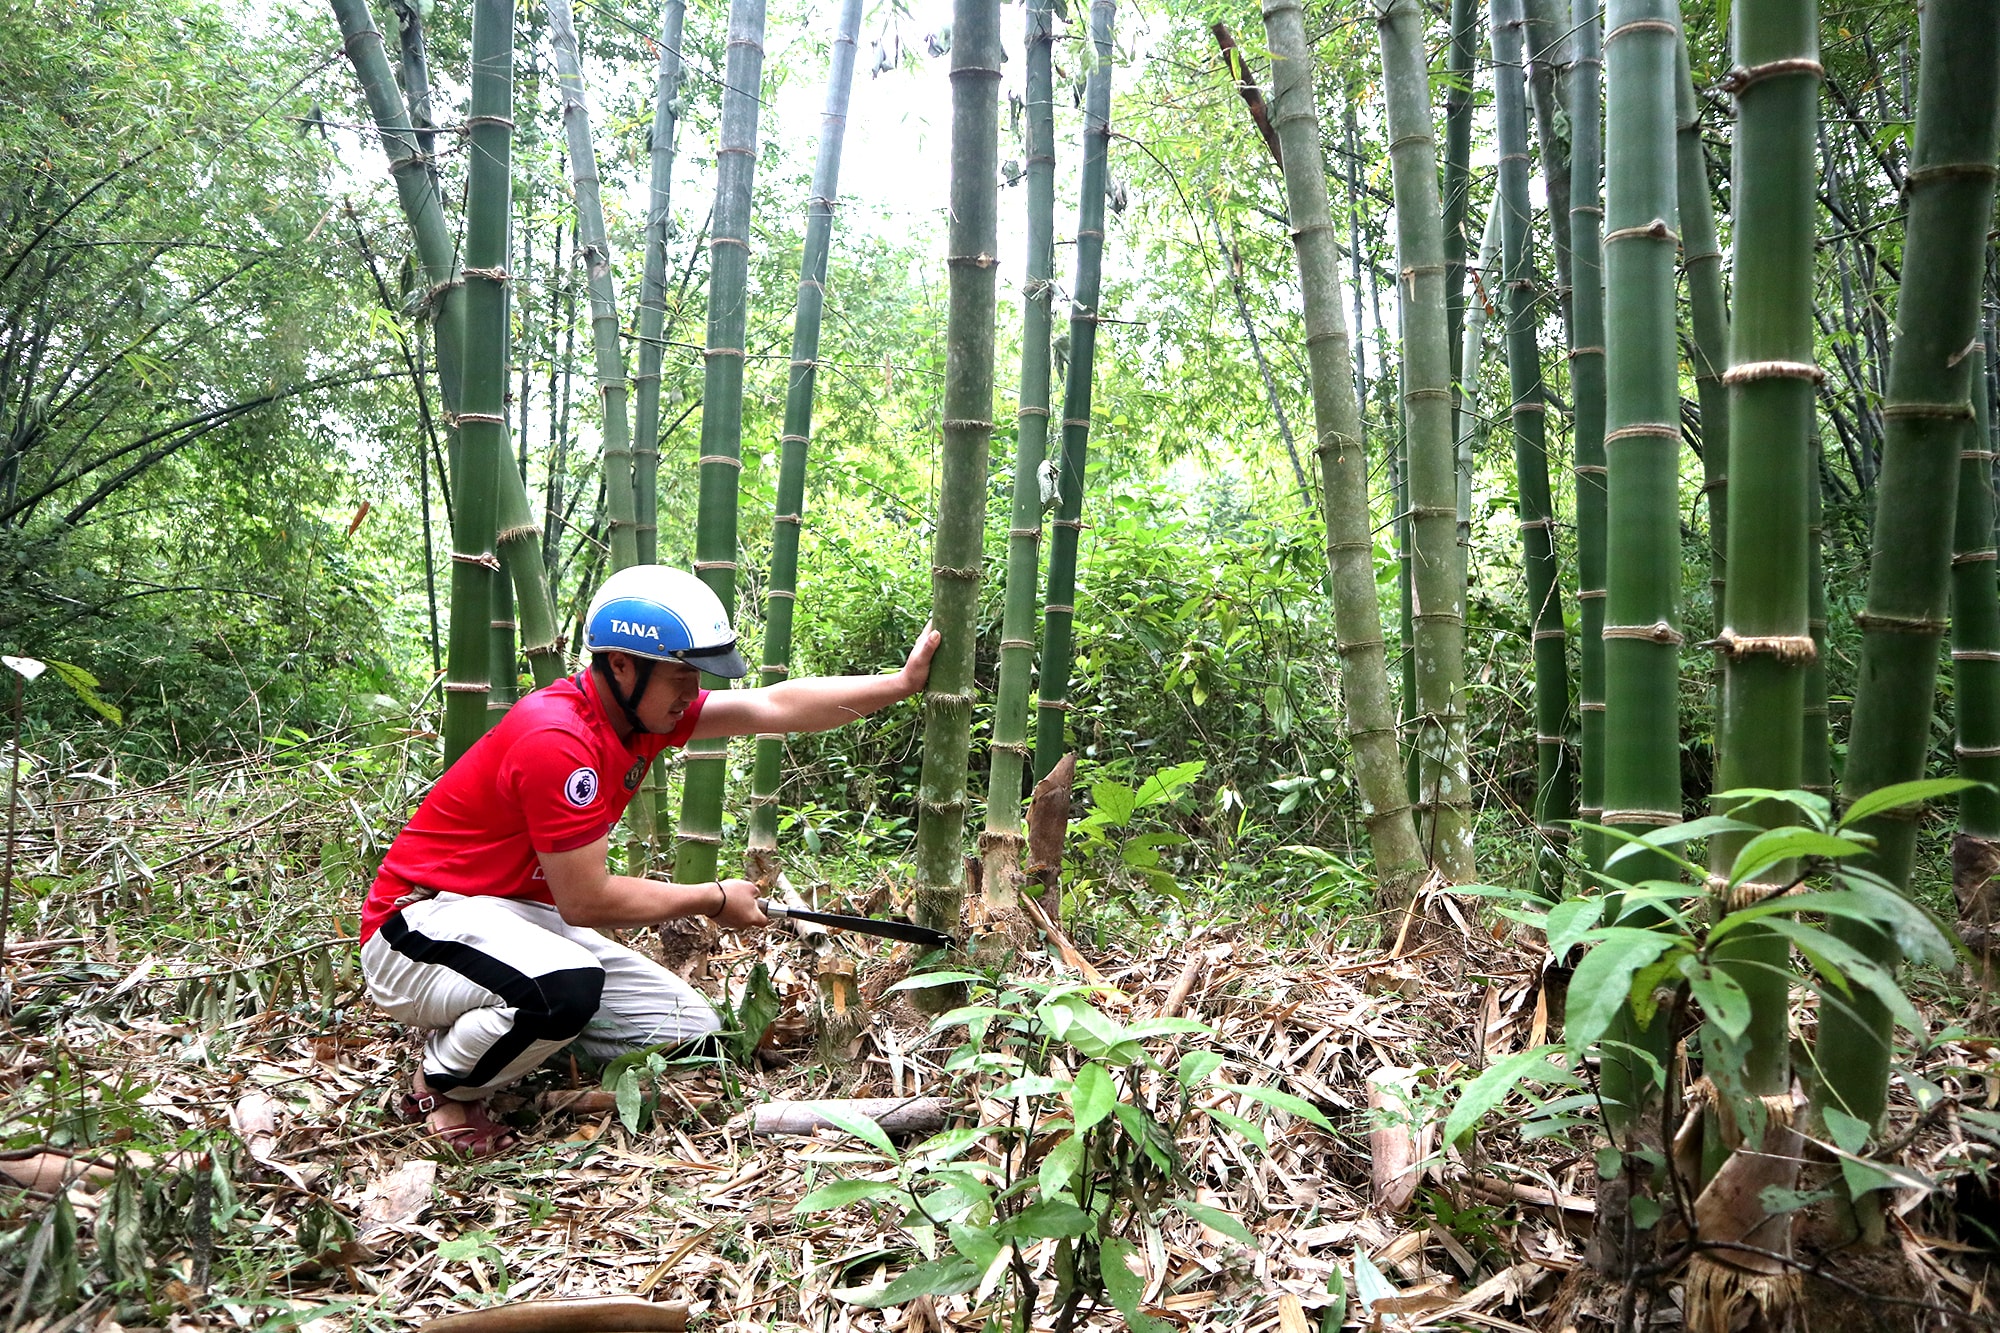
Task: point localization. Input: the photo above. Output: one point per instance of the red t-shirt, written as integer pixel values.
(552, 777)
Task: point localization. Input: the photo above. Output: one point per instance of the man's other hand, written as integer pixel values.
(739, 908)
(916, 672)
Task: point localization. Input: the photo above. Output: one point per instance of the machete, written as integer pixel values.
(906, 931)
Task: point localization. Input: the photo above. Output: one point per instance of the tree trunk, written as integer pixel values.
(601, 281)
(721, 462)
(1437, 586)
(1554, 779)
(1765, 631)
(482, 417)
(653, 285)
(1371, 712)
(1461, 71)
(1001, 844)
(1950, 193)
(968, 432)
(781, 595)
(1471, 421)
(1547, 24)
(1058, 607)
(1586, 383)
(517, 540)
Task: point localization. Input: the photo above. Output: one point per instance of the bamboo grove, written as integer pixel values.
(1675, 237)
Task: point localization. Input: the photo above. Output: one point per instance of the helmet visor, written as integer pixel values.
(722, 661)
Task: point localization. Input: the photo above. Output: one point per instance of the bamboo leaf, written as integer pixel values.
(1567, 922)
(1284, 1101)
(1788, 844)
(843, 1192)
(1900, 794)
(861, 1127)
(1125, 1287)
(1092, 1096)
(1230, 1120)
(1047, 1220)
(1603, 980)
(1491, 1088)
(1216, 1219)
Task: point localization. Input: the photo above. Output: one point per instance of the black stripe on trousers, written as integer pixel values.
(552, 1007)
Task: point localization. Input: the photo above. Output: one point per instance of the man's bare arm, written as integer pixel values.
(588, 894)
(816, 703)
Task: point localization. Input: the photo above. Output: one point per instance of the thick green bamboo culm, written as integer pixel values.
(1586, 379)
(721, 461)
(1642, 442)
(1765, 635)
(1471, 421)
(1950, 199)
(1554, 776)
(518, 539)
(651, 352)
(1437, 588)
(653, 286)
(1816, 760)
(1066, 532)
(1975, 637)
(1544, 44)
(959, 548)
(1370, 707)
(1642, 454)
(482, 453)
(1708, 348)
(781, 587)
(1001, 842)
(593, 253)
(1461, 64)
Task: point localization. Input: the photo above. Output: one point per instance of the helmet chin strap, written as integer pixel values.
(642, 675)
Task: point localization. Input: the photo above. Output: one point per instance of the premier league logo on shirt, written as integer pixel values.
(580, 787)
(634, 773)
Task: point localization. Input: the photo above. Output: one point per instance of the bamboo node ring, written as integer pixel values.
(1024, 532)
(485, 560)
(1975, 655)
(1659, 632)
(1927, 411)
(1899, 624)
(700, 565)
(1641, 25)
(1542, 634)
(1742, 78)
(1787, 649)
(1654, 818)
(1059, 608)
(727, 460)
(494, 274)
(1976, 751)
(1751, 371)
(471, 122)
(1591, 470)
(466, 687)
(1656, 230)
(488, 418)
(1974, 557)
(1644, 431)
(951, 572)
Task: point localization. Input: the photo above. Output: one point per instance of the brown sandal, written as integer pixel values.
(478, 1138)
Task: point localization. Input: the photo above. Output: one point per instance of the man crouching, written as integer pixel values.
(481, 924)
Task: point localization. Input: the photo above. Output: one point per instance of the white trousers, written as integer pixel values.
(505, 984)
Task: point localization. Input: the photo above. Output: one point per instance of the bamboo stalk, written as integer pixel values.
(1460, 71)
(781, 590)
(1471, 420)
(1058, 606)
(1554, 776)
(959, 548)
(409, 167)
(482, 418)
(653, 285)
(1708, 348)
(601, 281)
(1950, 192)
(1370, 711)
(1002, 841)
(1975, 674)
(1547, 24)
(1765, 635)
(1586, 380)
(706, 771)
(1436, 584)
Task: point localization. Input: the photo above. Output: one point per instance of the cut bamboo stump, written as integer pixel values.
(594, 1314)
(896, 1115)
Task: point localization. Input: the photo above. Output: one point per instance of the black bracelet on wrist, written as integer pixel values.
(722, 899)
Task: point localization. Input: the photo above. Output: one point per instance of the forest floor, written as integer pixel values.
(193, 1086)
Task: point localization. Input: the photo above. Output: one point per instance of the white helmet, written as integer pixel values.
(664, 615)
